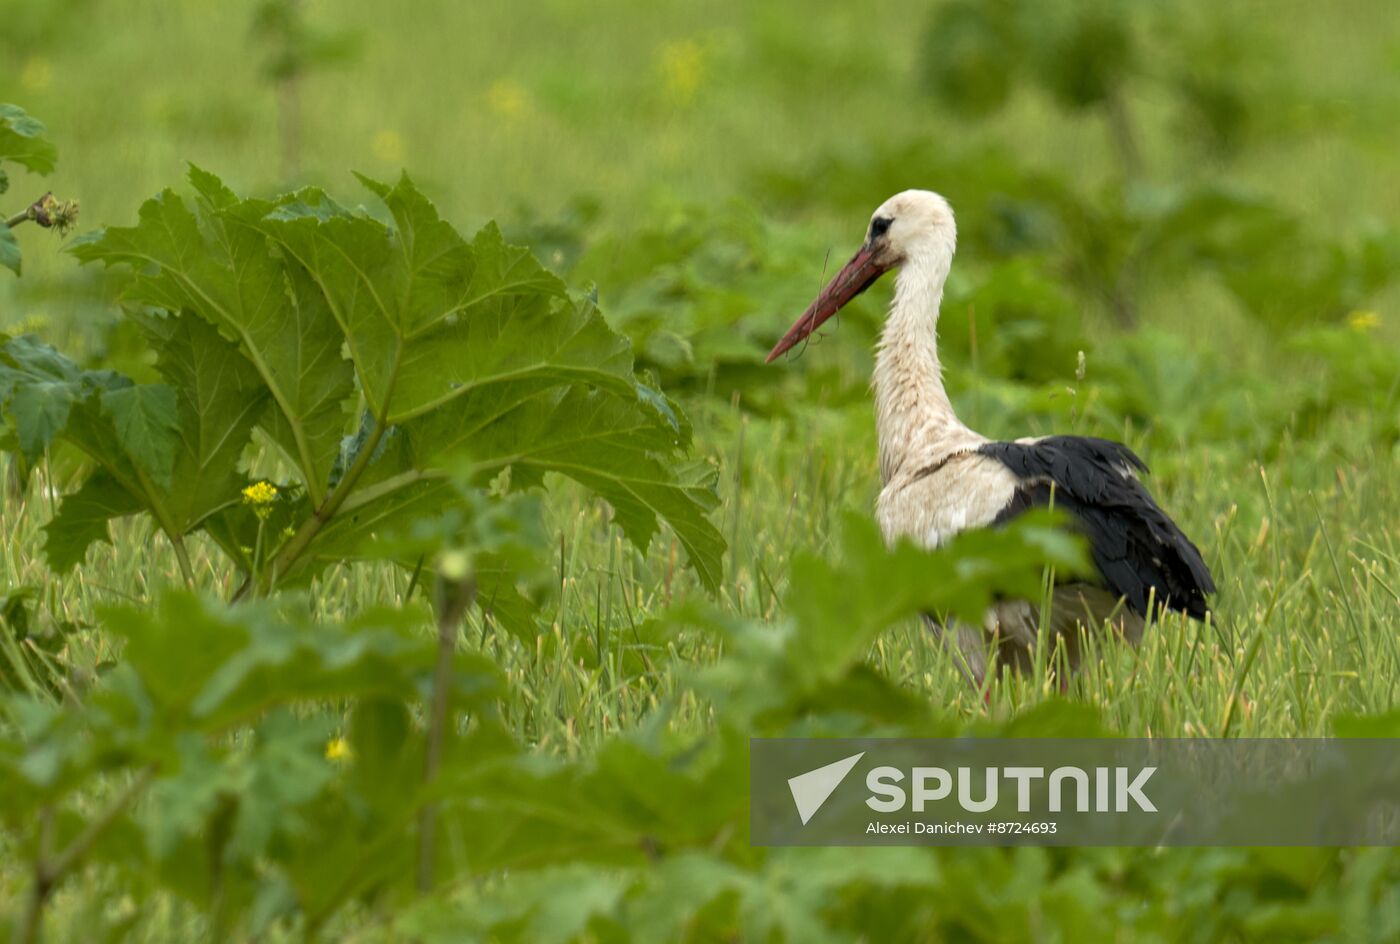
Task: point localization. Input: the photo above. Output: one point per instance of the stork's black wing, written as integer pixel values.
(1140, 552)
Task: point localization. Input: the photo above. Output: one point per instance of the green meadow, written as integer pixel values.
(1177, 229)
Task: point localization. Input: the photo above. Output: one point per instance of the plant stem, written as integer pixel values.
(293, 549)
(47, 213)
(372, 493)
(30, 920)
(167, 524)
(1120, 126)
(49, 871)
(182, 557)
(1122, 293)
(289, 108)
(454, 598)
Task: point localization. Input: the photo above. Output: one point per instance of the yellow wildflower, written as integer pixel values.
(36, 75)
(681, 65)
(35, 323)
(260, 495)
(508, 98)
(1363, 321)
(388, 146)
(338, 749)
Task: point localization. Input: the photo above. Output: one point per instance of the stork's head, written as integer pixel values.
(913, 226)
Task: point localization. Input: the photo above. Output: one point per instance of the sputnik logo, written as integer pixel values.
(815, 787)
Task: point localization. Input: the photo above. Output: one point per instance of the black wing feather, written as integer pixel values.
(1139, 551)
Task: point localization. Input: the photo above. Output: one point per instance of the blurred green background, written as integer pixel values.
(498, 106)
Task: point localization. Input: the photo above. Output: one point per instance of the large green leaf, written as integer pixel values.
(219, 399)
(174, 447)
(40, 409)
(429, 318)
(83, 518)
(38, 387)
(146, 421)
(9, 249)
(318, 382)
(476, 348)
(22, 141)
(616, 447)
(459, 348)
(209, 665)
(219, 266)
(46, 395)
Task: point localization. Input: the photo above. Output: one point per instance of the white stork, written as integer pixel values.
(940, 477)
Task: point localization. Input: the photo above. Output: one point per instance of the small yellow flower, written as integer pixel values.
(682, 69)
(508, 98)
(388, 147)
(36, 75)
(35, 323)
(1363, 321)
(260, 495)
(338, 749)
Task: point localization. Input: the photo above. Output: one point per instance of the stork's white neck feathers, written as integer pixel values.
(914, 418)
(913, 231)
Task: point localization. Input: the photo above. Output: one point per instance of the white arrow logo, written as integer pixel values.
(811, 790)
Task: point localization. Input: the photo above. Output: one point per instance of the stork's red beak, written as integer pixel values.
(857, 276)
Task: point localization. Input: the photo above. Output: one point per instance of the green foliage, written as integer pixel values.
(975, 53)
(275, 315)
(1194, 172)
(969, 56)
(9, 250)
(228, 791)
(257, 812)
(22, 142)
(83, 519)
(30, 25)
(838, 609)
(294, 46)
(222, 807)
(1115, 245)
(32, 646)
(701, 291)
(1088, 56)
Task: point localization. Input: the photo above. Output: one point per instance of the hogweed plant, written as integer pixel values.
(371, 357)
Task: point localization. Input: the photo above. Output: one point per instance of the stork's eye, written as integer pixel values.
(879, 226)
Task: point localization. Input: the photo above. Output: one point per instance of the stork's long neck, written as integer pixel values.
(913, 415)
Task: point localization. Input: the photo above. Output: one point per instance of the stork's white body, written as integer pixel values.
(935, 483)
(940, 477)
